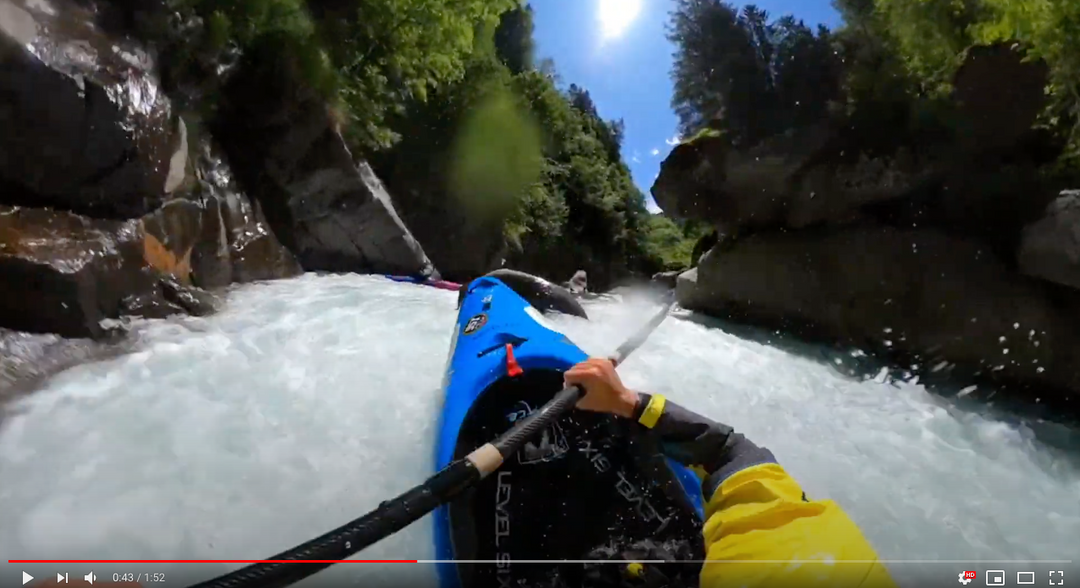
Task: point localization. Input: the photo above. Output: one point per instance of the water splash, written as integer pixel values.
(308, 401)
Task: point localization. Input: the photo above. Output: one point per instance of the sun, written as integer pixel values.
(616, 16)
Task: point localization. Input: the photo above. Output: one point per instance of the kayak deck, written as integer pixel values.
(589, 488)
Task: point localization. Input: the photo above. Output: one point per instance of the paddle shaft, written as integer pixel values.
(394, 515)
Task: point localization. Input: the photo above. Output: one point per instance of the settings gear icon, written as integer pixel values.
(964, 579)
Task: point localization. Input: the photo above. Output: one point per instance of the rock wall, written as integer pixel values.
(953, 248)
(110, 203)
(327, 207)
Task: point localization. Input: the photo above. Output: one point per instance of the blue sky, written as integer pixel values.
(616, 49)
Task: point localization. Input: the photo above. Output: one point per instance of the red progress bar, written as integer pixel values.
(245, 561)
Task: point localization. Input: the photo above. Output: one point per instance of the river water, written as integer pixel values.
(306, 402)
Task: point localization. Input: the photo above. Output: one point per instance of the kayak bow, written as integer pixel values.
(588, 481)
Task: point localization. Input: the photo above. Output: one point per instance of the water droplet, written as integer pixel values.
(1001, 339)
(1016, 325)
(888, 343)
(1040, 369)
(1005, 351)
(887, 329)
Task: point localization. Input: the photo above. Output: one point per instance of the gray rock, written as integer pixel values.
(793, 181)
(1050, 247)
(913, 291)
(28, 359)
(667, 279)
(686, 288)
(328, 209)
(193, 301)
(85, 126)
(236, 244)
(821, 174)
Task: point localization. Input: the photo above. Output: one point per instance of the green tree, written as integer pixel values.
(756, 77)
(391, 52)
(514, 39)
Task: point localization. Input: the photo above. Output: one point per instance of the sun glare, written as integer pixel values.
(616, 16)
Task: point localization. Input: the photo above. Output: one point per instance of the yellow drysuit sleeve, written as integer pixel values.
(760, 528)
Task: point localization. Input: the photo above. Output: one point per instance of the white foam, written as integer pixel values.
(307, 402)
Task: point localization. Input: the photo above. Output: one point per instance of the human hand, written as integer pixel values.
(604, 391)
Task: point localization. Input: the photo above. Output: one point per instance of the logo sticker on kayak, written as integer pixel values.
(551, 445)
(474, 324)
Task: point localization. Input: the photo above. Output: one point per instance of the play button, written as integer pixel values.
(26, 578)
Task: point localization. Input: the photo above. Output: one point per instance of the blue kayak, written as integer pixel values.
(591, 482)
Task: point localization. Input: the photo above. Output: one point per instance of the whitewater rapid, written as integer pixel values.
(306, 402)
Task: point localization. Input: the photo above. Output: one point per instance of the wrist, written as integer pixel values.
(629, 405)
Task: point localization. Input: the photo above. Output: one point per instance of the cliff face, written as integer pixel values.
(953, 248)
(117, 198)
(112, 204)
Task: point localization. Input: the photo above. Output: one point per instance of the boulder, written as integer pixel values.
(110, 204)
(840, 171)
(85, 126)
(235, 242)
(667, 279)
(63, 273)
(916, 292)
(331, 211)
(214, 236)
(796, 180)
(27, 359)
(686, 289)
(1050, 248)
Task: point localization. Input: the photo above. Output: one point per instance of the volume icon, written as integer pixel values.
(90, 577)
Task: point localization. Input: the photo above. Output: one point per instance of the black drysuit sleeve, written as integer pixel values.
(713, 450)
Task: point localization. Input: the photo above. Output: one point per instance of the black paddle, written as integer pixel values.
(394, 515)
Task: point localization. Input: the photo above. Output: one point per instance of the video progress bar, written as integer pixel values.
(536, 561)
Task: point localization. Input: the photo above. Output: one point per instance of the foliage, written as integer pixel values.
(371, 57)
(671, 243)
(889, 66)
(758, 77)
(513, 39)
(446, 98)
(505, 144)
(1051, 28)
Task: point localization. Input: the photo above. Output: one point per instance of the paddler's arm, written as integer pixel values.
(754, 509)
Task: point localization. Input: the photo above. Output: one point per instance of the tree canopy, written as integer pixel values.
(759, 77)
(448, 101)
(889, 62)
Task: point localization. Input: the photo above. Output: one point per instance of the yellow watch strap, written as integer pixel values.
(653, 411)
